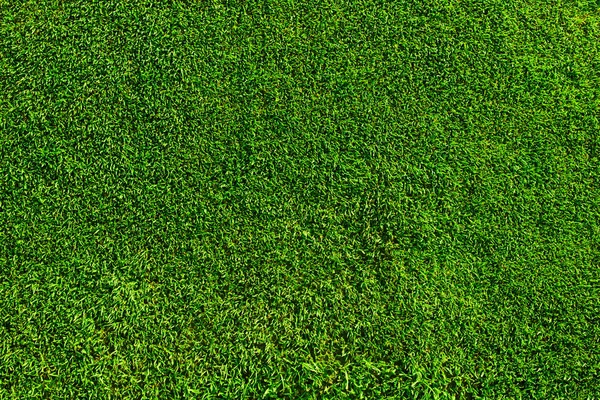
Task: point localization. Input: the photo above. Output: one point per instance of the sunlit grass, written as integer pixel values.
(299, 199)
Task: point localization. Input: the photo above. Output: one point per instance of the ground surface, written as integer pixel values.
(300, 199)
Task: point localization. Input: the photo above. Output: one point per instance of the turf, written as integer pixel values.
(300, 199)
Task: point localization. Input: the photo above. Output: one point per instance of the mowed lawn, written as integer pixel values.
(300, 199)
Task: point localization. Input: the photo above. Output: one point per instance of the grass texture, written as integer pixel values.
(324, 199)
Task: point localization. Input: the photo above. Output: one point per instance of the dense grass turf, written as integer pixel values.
(300, 199)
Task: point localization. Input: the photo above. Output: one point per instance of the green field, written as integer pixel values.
(326, 199)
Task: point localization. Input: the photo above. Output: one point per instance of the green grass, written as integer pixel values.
(300, 199)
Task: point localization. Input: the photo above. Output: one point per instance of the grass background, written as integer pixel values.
(300, 199)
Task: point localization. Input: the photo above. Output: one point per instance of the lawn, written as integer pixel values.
(326, 199)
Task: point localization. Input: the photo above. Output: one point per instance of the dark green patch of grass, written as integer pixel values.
(300, 199)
